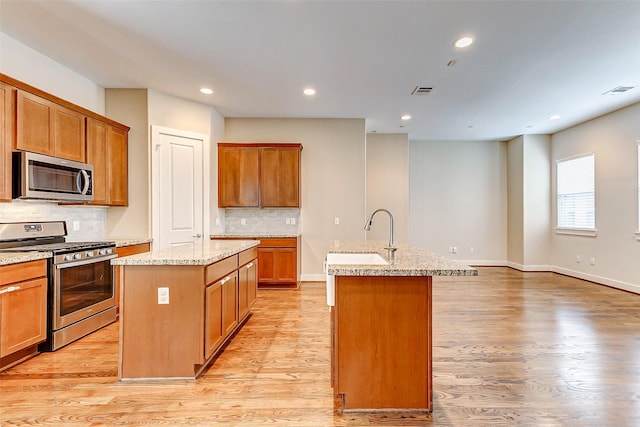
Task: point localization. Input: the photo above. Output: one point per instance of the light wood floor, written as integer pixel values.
(510, 348)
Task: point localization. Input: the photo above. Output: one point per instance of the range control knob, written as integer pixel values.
(77, 256)
(89, 254)
(102, 252)
(68, 257)
(109, 251)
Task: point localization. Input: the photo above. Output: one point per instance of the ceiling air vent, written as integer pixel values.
(619, 89)
(421, 90)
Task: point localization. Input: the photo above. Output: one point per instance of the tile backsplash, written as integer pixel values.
(277, 221)
(91, 220)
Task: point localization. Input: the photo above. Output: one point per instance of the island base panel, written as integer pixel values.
(382, 342)
(161, 340)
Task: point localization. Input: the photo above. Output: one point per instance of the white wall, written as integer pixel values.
(387, 163)
(19, 61)
(528, 202)
(333, 178)
(457, 197)
(616, 250)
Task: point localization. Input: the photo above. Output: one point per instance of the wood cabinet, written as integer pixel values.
(126, 251)
(179, 339)
(23, 310)
(238, 178)
(107, 147)
(279, 262)
(280, 177)
(381, 353)
(258, 175)
(6, 142)
(36, 121)
(247, 282)
(45, 127)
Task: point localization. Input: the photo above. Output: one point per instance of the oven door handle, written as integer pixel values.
(85, 261)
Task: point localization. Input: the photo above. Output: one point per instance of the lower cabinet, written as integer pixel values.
(23, 310)
(203, 307)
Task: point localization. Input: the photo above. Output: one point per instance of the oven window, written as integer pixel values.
(85, 285)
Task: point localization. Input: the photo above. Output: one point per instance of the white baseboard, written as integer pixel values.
(598, 279)
(312, 278)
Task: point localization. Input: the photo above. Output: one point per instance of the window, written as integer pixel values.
(576, 194)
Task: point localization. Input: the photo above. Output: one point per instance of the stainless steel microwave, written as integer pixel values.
(36, 176)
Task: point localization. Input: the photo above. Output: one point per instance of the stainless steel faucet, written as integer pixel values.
(392, 242)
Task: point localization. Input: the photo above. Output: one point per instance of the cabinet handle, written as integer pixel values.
(249, 265)
(10, 289)
(225, 280)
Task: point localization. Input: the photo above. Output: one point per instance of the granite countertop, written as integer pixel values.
(253, 235)
(202, 253)
(410, 261)
(129, 242)
(7, 258)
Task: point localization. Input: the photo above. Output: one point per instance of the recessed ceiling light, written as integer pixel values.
(463, 42)
(405, 117)
(554, 117)
(309, 91)
(206, 91)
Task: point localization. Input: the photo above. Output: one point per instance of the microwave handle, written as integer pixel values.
(85, 178)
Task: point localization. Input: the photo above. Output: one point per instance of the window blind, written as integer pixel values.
(576, 193)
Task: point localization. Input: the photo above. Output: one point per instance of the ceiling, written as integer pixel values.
(530, 59)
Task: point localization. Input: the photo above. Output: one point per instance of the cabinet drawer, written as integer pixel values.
(221, 268)
(248, 255)
(286, 242)
(22, 271)
(133, 249)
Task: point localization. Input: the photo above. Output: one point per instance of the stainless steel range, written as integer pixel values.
(81, 292)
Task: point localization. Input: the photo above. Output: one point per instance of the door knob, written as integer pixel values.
(197, 236)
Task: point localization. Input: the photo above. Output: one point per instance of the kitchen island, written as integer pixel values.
(180, 305)
(381, 351)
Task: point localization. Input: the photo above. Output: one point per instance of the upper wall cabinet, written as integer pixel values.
(5, 141)
(107, 152)
(45, 127)
(258, 175)
(36, 121)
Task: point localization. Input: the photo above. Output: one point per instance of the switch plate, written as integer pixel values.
(293, 221)
(592, 261)
(163, 295)
(287, 221)
(336, 221)
(76, 225)
(243, 221)
(217, 221)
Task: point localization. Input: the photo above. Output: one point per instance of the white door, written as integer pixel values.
(177, 187)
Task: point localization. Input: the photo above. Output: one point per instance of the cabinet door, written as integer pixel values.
(213, 331)
(97, 156)
(117, 166)
(280, 177)
(121, 252)
(6, 124)
(247, 284)
(238, 178)
(68, 134)
(229, 303)
(277, 265)
(34, 123)
(23, 321)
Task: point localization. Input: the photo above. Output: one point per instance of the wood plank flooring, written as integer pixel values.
(510, 349)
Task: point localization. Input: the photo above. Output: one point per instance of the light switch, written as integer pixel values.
(336, 221)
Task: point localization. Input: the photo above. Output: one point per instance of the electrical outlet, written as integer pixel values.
(243, 221)
(293, 221)
(455, 249)
(217, 221)
(471, 250)
(76, 225)
(287, 221)
(592, 261)
(336, 221)
(578, 259)
(163, 295)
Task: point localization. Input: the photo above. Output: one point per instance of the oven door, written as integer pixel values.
(82, 289)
